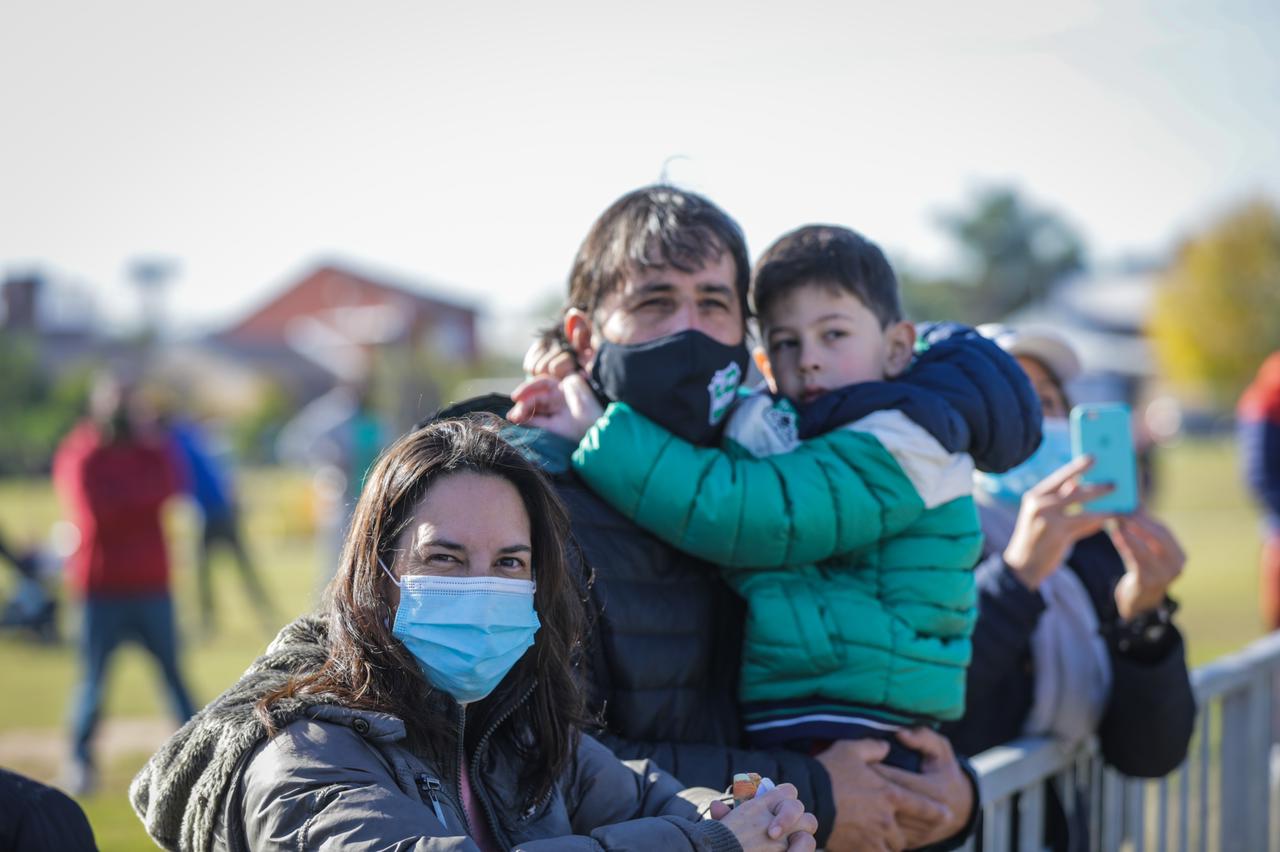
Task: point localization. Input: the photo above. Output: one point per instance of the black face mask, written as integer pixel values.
(685, 382)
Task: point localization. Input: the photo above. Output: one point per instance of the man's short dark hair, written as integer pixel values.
(832, 256)
(654, 227)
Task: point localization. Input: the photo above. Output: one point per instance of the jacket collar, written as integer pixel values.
(373, 726)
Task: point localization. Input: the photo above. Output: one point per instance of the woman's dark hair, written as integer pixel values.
(831, 256)
(654, 227)
(369, 668)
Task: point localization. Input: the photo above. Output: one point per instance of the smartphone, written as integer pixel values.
(1104, 431)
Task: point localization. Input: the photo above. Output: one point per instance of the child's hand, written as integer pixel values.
(540, 396)
(547, 360)
(565, 407)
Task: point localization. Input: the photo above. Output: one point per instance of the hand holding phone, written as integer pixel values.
(1104, 431)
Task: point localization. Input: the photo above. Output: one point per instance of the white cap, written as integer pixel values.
(1045, 345)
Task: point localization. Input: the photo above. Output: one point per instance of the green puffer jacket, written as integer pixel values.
(854, 550)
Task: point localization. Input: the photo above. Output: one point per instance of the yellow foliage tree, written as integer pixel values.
(1217, 310)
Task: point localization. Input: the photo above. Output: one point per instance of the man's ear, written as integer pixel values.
(901, 339)
(762, 364)
(578, 331)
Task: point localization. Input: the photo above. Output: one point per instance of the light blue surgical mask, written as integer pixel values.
(465, 632)
(1054, 451)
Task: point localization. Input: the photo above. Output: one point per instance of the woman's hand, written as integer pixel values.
(774, 822)
(1152, 558)
(1048, 524)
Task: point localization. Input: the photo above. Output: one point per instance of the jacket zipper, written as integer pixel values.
(481, 794)
(462, 732)
(431, 787)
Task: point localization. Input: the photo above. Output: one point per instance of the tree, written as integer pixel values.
(36, 411)
(1012, 253)
(1217, 310)
(932, 299)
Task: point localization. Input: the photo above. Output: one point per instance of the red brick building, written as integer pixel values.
(339, 304)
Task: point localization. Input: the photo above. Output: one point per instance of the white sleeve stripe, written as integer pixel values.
(938, 476)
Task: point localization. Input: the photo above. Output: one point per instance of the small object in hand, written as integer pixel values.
(745, 785)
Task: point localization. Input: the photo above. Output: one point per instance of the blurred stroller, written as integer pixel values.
(32, 608)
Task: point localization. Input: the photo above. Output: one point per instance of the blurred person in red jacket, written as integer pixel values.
(114, 474)
(1258, 418)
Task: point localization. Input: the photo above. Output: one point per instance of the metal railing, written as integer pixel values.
(1221, 798)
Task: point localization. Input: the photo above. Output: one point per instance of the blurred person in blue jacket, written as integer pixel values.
(1258, 416)
(208, 480)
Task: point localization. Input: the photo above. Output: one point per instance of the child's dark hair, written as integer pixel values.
(655, 226)
(832, 256)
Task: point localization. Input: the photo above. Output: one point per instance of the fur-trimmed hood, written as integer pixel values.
(181, 792)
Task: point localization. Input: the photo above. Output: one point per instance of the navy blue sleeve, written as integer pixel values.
(1260, 459)
(1008, 613)
(853, 402)
(998, 684)
(966, 391)
(1151, 713)
(986, 386)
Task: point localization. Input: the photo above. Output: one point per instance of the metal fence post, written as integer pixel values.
(1031, 817)
(1230, 767)
(1233, 781)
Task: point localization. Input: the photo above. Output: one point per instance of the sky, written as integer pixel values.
(469, 146)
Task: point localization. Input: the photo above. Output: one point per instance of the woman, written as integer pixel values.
(1074, 633)
(434, 705)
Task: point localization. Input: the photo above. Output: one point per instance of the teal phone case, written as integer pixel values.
(1104, 431)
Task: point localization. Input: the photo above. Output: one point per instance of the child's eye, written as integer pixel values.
(780, 345)
(834, 334)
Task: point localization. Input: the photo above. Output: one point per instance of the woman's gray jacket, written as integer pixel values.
(338, 778)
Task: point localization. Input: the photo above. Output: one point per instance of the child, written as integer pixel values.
(852, 549)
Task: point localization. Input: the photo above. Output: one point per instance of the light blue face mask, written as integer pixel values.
(465, 632)
(1054, 451)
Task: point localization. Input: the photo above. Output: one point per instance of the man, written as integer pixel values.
(657, 312)
(113, 478)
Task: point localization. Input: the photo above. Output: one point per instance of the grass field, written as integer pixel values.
(39, 679)
(1201, 499)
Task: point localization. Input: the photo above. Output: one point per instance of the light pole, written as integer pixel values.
(151, 274)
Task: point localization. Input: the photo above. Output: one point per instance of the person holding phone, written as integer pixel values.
(1075, 633)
